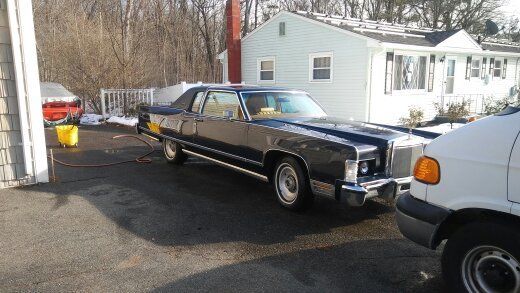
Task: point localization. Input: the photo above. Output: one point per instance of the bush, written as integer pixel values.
(454, 111)
(415, 117)
(492, 106)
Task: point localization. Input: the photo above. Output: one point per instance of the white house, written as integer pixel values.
(374, 71)
(23, 157)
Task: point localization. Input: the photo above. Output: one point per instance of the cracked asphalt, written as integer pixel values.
(197, 227)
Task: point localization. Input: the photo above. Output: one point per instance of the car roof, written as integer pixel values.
(244, 88)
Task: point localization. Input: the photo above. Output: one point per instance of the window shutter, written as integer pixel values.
(431, 73)
(491, 65)
(389, 72)
(484, 64)
(468, 67)
(504, 69)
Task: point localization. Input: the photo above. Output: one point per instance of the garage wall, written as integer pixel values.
(22, 141)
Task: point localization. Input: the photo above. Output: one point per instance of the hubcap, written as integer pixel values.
(287, 183)
(170, 149)
(490, 269)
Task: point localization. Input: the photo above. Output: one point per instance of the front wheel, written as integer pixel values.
(173, 152)
(291, 184)
(483, 257)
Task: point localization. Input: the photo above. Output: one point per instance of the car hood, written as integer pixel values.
(346, 129)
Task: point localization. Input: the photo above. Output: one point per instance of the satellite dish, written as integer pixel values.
(491, 28)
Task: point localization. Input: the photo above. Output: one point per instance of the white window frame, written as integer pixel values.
(501, 59)
(259, 69)
(426, 77)
(312, 56)
(473, 58)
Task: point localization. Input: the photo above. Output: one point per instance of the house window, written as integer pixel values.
(266, 69)
(497, 69)
(409, 72)
(320, 66)
(475, 68)
(281, 29)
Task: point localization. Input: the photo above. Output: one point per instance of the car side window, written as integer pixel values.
(222, 104)
(195, 107)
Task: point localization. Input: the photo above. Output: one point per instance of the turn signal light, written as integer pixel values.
(427, 170)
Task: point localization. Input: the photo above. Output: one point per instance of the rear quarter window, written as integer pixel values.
(195, 107)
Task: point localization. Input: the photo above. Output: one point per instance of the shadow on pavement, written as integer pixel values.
(361, 266)
(191, 204)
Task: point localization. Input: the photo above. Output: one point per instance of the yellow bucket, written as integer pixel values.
(67, 135)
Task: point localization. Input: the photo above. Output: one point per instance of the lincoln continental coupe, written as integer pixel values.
(285, 137)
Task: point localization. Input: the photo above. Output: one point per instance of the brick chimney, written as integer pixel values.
(233, 41)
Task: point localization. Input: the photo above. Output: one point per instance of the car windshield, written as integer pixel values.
(261, 105)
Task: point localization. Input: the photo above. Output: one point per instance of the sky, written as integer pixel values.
(511, 7)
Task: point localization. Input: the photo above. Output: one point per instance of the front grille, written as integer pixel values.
(404, 158)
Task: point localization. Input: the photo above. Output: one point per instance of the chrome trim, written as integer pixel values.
(151, 137)
(224, 164)
(289, 153)
(356, 195)
(203, 147)
(381, 182)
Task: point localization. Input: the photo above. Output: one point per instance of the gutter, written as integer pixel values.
(448, 50)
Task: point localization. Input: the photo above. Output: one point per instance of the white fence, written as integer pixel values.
(119, 102)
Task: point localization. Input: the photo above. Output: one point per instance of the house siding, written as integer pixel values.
(22, 160)
(389, 108)
(345, 96)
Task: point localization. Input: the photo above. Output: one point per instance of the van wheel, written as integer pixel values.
(483, 257)
(291, 185)
(173, 152)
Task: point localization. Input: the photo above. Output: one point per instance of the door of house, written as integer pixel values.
(449, 82)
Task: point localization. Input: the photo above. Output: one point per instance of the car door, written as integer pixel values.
(220, 128)
(513, 188)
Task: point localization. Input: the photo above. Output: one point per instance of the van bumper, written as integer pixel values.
(419, 221)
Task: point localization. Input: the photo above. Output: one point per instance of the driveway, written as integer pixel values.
(157, 227)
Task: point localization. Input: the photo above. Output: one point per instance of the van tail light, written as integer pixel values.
(427, 170)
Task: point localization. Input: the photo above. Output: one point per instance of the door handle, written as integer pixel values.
(198, 119)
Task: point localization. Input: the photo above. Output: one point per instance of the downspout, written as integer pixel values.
(373, 51)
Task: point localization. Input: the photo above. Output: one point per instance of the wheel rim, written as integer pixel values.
(287, 183)
(170, 149)
(490, 269)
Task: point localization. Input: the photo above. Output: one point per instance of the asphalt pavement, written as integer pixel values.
(196, 227)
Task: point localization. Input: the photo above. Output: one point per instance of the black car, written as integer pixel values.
(285, 137)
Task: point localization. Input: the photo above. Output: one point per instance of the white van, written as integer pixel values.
(466, 189)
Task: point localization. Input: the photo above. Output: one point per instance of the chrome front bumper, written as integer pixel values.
(388, 188)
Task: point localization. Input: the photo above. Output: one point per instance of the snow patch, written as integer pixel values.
(442, 128)
(127, 121)
(90, 119)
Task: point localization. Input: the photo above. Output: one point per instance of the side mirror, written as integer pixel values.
(229, 114)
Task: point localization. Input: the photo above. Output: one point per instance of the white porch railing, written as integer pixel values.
(476, 101)
(119, 102)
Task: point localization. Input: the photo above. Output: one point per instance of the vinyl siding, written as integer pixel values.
(388, 108)
(345, 96)
(12, 167)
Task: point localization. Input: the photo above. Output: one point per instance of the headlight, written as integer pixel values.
(351, 170)
(364, 168)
